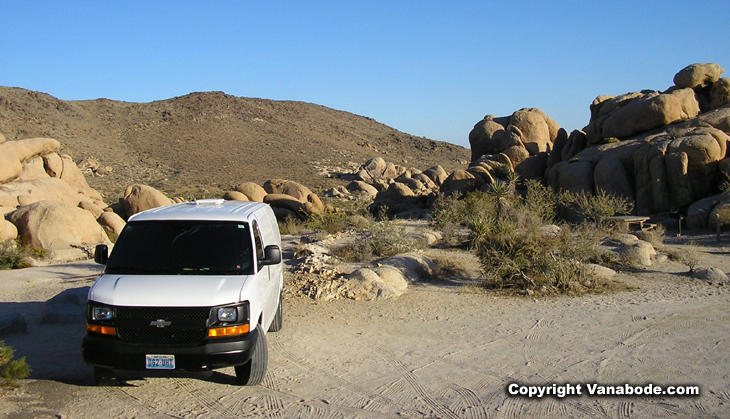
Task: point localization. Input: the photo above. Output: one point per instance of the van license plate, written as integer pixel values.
(160, 362)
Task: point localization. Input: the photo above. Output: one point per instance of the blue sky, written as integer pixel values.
(428, 68)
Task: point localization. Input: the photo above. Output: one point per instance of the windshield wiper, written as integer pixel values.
(130, 270)
(192, 270)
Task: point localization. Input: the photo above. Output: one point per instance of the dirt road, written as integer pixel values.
(436, 351)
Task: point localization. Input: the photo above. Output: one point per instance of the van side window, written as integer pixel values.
(258, 241)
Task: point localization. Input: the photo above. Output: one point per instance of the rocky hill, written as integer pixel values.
(212, 141)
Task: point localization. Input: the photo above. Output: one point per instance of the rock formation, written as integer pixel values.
(65, 231)
(661, 150)
(286, 197)
(46, 201)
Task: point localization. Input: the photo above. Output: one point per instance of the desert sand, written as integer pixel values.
(440, 350)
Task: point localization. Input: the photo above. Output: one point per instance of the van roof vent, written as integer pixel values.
(209, 202)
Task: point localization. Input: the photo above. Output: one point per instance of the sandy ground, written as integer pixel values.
(437, 351)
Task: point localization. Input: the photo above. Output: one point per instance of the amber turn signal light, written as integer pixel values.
(102, 330)
(228, 331)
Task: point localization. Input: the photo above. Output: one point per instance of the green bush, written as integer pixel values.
(516, 250)
(340, 216)
(541, 201)
(448, 210)
(388, 239)
(11, 370)
(12, 254)
(596, 208)
(331, 222)
(515, 254)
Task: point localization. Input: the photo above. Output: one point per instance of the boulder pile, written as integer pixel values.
(392, 188)
(523, 139)
(286, 197)
(46, 202)
(662, 150)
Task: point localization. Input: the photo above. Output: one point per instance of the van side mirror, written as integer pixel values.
(272, 256)
(101, 254)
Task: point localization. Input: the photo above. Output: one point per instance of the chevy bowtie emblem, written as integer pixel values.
(160, 323)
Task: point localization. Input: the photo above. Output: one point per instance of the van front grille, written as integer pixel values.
(165, 313)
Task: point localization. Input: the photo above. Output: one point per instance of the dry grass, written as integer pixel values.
(447, 267)
(358, 250)
(688, 255)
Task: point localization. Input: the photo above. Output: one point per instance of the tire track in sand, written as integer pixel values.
(468, 402)
(118, 393)
(389, 403)
(213, 405)
(423, 393)
(625, 410)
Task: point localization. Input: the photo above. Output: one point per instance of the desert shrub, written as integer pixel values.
(515, 254)
(448, 210)
(451, 234)
(479, 227)
(515, 249)
(291, 225)
(501, 195)
(388, 238)
(351, 207)
(630, 257)
(12, 254)
(331, 222)
(655, 236)
(689, 255)
(540, 200)
(11, 370)
(597, 207)
(359, 250)
(536, 206)
(446, 267)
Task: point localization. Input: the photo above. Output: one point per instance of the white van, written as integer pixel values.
(188, 287)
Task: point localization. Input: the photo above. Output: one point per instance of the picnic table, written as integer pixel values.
(629, 220)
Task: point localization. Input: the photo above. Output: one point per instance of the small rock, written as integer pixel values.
(711, 275)
(599, 271)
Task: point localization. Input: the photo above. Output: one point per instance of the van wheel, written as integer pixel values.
(252, 373)
(278, 322)
(105, 377)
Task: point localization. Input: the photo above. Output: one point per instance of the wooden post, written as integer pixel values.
(680, 226)
(717, 225)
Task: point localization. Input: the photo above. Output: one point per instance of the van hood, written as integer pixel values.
(167, 290)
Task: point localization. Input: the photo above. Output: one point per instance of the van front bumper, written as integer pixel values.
(111, 352)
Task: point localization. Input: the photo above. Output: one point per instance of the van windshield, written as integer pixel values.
(183, 248)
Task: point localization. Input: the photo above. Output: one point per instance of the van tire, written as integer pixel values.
(252, 373)
(278, 322)
(105, 377)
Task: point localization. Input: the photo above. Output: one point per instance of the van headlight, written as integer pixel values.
(102, 313)
(227, 314)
